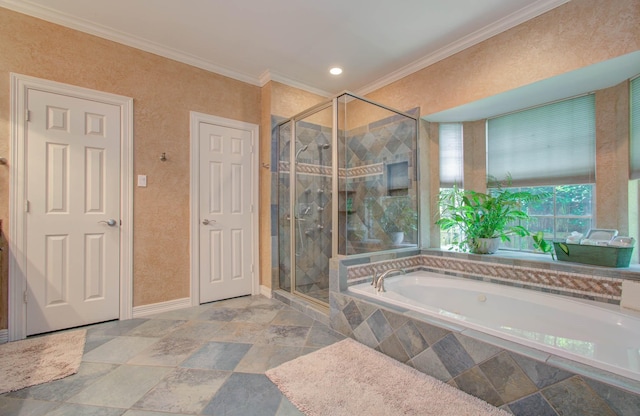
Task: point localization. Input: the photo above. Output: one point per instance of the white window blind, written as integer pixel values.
(552, 144)
(450, 154)
(635, 128)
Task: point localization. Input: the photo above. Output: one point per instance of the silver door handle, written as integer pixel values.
(111, 222)
(207, 222)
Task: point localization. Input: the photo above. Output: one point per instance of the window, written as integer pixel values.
(451, 166)
(451, 162)
(552, 144)
(548, 149)
(569, 208)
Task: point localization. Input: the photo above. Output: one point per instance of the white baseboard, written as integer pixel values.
(265, 291)
(154, 308)
(4, 336)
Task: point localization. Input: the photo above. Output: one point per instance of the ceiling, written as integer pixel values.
(295, 41)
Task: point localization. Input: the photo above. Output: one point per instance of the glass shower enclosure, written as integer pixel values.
(347, 185)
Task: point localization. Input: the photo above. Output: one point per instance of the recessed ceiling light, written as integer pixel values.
(335, 71)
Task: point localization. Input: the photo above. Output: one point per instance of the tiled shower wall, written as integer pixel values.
(312, 209)
(366, 150)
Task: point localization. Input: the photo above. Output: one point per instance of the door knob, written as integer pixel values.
(111, 222)
(207, 222)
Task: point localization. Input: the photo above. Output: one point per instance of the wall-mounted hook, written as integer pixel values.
(163, 157)
(266, 165)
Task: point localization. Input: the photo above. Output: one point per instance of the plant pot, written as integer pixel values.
(397, 238)
(485, 245)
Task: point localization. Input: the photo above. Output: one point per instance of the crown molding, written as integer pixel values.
(104, 32)
(502, 25)
(63, 19)
(264, 78)
(267, 76)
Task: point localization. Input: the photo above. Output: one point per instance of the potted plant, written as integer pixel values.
(398, 218)
(483, 220)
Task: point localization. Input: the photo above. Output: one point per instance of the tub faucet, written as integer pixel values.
(378, 281)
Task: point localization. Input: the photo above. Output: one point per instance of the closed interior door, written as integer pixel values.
(226, 223)
(73, 218)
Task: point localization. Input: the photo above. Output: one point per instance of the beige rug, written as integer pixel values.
(38, 360)
(348, 378)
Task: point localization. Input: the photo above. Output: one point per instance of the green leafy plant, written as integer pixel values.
(475, 215)
(540, 244)
(399, 215)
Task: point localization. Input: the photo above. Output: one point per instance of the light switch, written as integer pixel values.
(142, 181)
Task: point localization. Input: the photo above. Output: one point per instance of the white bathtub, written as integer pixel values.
(587, 332)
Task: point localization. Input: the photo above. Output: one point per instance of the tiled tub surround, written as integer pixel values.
(593, 333)
(520, 379)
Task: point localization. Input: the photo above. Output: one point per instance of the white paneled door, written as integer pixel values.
(226, 220)
(73, 211)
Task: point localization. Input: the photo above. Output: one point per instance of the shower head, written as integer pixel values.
(323, 146)
(302, 149)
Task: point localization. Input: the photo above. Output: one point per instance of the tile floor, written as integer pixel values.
(205, 360)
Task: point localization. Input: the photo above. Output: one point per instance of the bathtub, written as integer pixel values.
(591, 333)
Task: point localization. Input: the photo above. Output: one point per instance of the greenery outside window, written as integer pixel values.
(451, 167)
(568, 209)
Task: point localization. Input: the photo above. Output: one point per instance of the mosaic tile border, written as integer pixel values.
(362, 171)
(373, 169)
(306, 169)
(606, 289)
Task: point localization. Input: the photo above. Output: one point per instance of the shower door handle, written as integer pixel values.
(287, 217)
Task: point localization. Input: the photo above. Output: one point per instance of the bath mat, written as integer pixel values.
(348, 378)
(39, 360)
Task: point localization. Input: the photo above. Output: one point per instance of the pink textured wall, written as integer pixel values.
(164, 91)
(577, 34)
(612, 157)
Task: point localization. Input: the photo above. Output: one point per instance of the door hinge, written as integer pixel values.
(27, 115)
(25, 296)
(26, 205)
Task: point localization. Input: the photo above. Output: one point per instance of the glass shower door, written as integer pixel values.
(311, 196)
